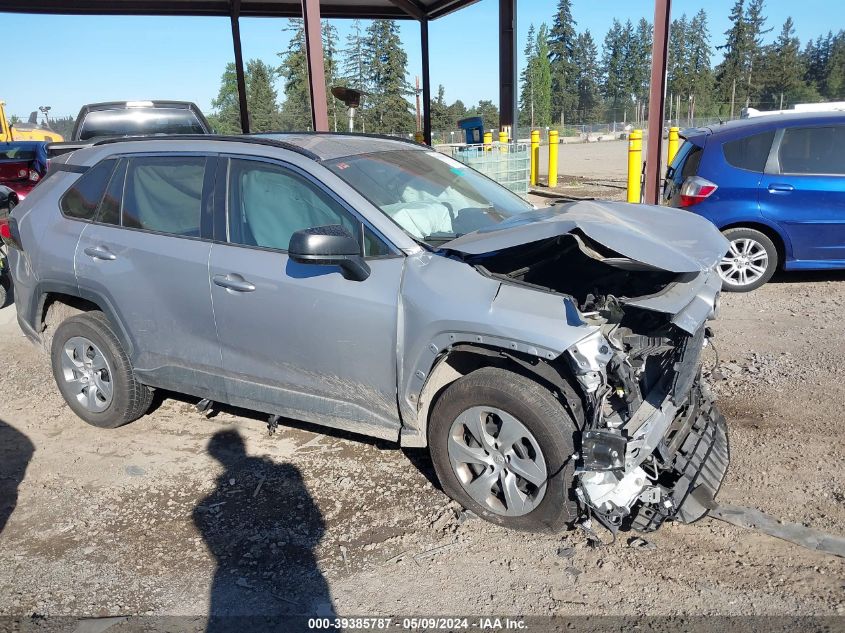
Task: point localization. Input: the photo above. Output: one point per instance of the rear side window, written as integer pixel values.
(82, 199)
(686, 162)
(751, 152)
(164, 194)
(813, 150)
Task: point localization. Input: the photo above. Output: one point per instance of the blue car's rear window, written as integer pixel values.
(751, 152)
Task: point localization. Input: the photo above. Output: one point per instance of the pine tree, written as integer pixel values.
(586, 78)
(441, 118)
(730, 73)
(543, 93)
(264, 115)
(614, 86)
(561, 42)
(386, 62)
(783, 70)
(528, 81)
(226, 118)
(834, 77)
(331, 62)
(755, 21)
(296, 109)
(700, 88)
(639, 62)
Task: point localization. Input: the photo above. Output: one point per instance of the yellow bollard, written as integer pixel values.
(503, 142)
(488, 141)
(554, 141)
(535, 155)
(419, 137)
(672, 144)
(635, 165)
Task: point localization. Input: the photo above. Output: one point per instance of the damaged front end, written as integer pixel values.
(653, 444)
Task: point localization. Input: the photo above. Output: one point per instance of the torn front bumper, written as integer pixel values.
(693, 459)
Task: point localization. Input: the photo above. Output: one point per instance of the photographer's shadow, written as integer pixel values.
(262, 527)
(16, 451)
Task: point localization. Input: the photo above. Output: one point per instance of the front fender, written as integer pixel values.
(445, 302)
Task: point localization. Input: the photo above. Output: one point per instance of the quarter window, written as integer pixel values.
(813, 150)
(109, 212)
(269, 203)
(164, 194)
(751, 152)
(81, 200)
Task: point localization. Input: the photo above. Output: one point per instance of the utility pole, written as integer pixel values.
(733, 97)
(781, 101)
(419, 116)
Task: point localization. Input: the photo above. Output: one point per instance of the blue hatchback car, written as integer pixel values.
(774, 185)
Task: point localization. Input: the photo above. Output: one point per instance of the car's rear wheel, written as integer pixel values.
(93, 372)
(502, 447)
(750, 262)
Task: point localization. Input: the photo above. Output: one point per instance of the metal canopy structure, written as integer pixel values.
(423, 11)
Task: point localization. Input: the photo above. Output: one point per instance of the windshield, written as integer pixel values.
(139, 121)
(17, 153)
(431, 196)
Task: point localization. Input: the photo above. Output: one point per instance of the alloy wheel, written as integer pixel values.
(745, 262)
(497, 460)
(87, 373)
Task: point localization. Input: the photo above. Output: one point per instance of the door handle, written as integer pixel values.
(100, 252)
(779, 187)
(233, 281)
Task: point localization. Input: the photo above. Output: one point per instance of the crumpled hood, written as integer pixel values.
(662, 237)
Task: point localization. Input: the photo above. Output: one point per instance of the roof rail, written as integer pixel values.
(242, 138)
(384, 137)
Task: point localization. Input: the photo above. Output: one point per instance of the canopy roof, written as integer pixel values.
(364, 9)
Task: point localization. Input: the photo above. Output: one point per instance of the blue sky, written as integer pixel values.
(66, 61)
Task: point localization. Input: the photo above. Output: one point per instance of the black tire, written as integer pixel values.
(541, 413)
(771, 251)
(130, 399)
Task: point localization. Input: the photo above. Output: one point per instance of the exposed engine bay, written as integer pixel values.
(653, 445)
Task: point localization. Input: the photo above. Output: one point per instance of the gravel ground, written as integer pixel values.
(178, 514)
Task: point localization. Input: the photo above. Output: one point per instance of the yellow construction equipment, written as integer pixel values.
(635, 165)
(24, 131)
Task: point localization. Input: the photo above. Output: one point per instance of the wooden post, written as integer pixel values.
(314, 60)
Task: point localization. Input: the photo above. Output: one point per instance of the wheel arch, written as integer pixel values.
(464, 358)
(63, 301)
(781, 242)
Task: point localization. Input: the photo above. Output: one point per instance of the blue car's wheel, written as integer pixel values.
(750, 261)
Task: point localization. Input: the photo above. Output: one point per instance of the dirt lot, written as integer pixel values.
(178, 514)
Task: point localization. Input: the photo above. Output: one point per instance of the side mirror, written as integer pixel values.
(330, 245)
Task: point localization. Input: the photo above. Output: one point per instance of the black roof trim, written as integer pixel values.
(211, 137)
(382, 137)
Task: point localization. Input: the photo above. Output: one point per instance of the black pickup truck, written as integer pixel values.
(116, 119)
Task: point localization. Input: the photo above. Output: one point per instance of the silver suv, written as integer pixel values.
(548, 358)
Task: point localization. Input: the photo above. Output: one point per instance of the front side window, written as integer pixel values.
(813, 150)
(751, 152)
(164, 194)
(431, 196)
(268, 203)
(81, 200)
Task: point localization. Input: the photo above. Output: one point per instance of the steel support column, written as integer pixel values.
(426, 78)
(234, 13)
(507, 65)
(316, 71)
(656, 99)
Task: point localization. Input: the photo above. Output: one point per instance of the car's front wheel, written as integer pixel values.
(502, 446)
(750, 262)
(93, 372)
